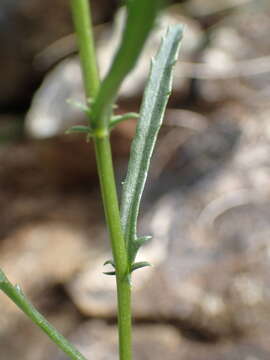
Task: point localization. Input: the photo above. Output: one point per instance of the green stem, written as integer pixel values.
(81, 13)
(140, 20)
(110, 201)
(17, 296)
(82, 22)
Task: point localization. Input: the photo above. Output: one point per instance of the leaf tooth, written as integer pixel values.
(143, 239)
(128, 278)
(79, 105)
(109, 273)
(109, 262)
(115, 120)
(139, 265)
(135, 246)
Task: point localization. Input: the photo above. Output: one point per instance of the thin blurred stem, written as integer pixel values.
(110, 201)
(17, 296)
(81, 13)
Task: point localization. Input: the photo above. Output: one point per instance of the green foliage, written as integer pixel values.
(115, 120)
(153, 106)
(141, 15)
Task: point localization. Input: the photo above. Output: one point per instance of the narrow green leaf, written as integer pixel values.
(109, 273)
(151, 115)
(139, 265)
(78, 105)
(15, 293)
(142, 12)
(78, 129)
(119, 118)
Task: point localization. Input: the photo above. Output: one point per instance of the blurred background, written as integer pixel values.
(207, 203)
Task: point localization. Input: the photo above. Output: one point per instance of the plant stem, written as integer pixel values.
(141, 15)
(110, 201)
(81, 13)
(17, 296)
(82, 22)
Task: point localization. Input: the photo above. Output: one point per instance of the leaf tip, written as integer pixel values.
(139, 265)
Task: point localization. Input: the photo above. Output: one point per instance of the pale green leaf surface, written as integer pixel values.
(152, 111)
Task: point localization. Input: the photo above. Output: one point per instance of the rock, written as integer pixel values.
(11, 128)
(28, 341)
(24, 34)
(53, 164)
(97, 340)
(39, 256)
(49, 106)
(255, 347)
(201, 8)
(34, 184)
(235, 64)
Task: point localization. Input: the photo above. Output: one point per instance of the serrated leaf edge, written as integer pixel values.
(152, 111)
